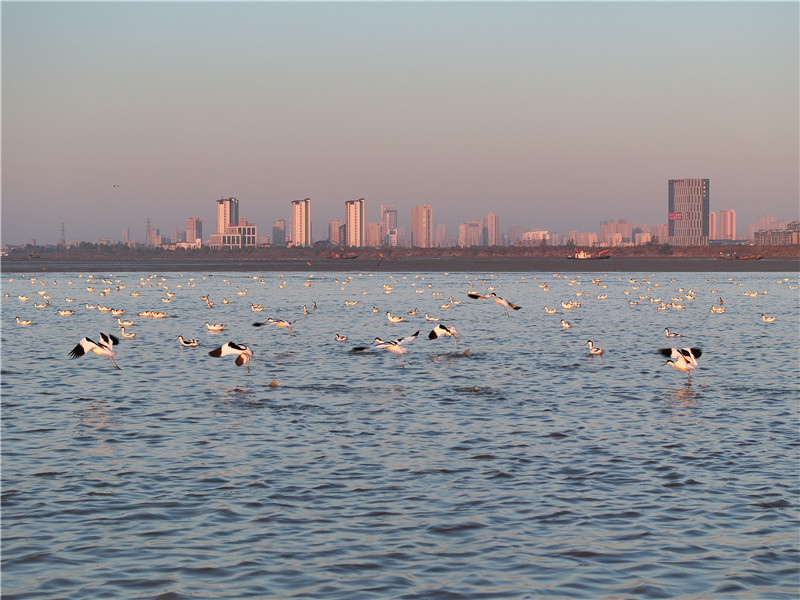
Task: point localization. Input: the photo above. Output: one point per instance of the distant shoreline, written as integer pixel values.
(480, 264)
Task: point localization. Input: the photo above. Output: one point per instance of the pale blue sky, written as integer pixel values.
(552, 115)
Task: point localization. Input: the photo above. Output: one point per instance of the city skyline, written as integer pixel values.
(556, 115)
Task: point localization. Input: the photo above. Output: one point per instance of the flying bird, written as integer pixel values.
(396, 347)
(441, 330)
(683, 359)
(243, 353)
(501, 301)
(104, 348)
(277, 323)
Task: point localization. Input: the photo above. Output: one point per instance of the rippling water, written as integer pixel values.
(511, 466)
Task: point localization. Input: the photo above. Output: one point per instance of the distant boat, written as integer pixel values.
(735, 256)
(583, 255)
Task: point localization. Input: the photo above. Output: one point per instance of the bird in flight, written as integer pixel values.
(243, 353)
(501, 301)
(104, 348)
(441, 330)
(397, 347)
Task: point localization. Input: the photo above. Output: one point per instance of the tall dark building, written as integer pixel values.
(688, 212)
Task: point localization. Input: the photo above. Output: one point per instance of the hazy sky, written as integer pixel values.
(552, 115)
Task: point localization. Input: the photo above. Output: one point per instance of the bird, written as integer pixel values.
(717, 310)
(392, 318)
(396, 347)
(104, 348)
(122, 323)
(430, 318)
(341, 338)
(277, 323)
(565, 324)
(550, 311)
(216, 327)
(24, 321)
(592, 350)
(190, 343)
(243, 353)
(66, 313)
(767, 319)
(671, 334)
(501, 301)
(683, 359)
(441, 330)
(129, 336)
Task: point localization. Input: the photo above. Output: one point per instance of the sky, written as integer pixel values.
(552, 115)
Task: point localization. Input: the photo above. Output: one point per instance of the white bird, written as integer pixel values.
(392, 318)
(717, 310)
(215, 327)
(592, 350)
(126, 335)
(430, 318)
(550, 311)
(441, 330)
(396, 347)
(501, 301)
(683, 359)
(565, 324)
(277, 323)
(122, 323)
(670, 334)
(104, 348)
(243, 353)
(190, 343)
(66, 313)
(23, 321)
(767, 319)
(341, 338)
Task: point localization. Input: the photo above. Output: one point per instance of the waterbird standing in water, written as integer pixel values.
(104, 348)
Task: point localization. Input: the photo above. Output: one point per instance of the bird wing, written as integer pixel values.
(477, 296)
(226, 349)
(108, 340)
(84, 346)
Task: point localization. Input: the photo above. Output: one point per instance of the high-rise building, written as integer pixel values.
(389, 222)
(469, 234)
(227, 214)
(712, 225)
(491, 230)
(609, 230)
(440, 236)
(687, 208)
(354, 223)
(279, 232)
(660, 233)
(373, 234)
(422, 226)
(301, 222)
(194, 230)
(126, 235)
(334, 230)
(727, 225)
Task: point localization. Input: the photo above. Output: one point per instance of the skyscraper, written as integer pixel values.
(279, 232)
(232, 231)
(469, 234)
(712, 225)
(688, 204)
(727, 225)
(301, 222)
(354, 223)
(227, 214)
(422, 226)
(194, 229)
(389, 223)
(491, 230)
(333, 231)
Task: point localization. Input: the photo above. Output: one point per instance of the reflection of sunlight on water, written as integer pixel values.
(683, 401)
(94, 418)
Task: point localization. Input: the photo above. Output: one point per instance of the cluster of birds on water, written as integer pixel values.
(681, 359)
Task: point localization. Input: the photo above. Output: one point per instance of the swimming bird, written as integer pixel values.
(501, 301)
(392, 318)
(550, 311)
(126, 335)
(243, 353)
(24, 321)
(216, 327)
(396, 347)
(190, 343)
(104, 348)
(717, 310)
(430, 318)
(592, 350)
(683, 359)
(341, 338)
(767, 319)
(66, 313)
(441, 330)
(122, 323)
(565, 324)
(671, 334)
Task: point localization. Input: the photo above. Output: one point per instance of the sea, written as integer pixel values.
(506, 463)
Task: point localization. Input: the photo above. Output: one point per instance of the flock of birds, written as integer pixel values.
(681, 359)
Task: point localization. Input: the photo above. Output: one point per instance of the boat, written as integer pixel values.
(735, 256)
(583, 255)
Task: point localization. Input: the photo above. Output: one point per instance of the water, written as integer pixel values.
(513, 466)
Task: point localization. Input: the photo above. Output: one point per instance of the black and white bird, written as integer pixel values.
(190, 343)
(104, 348)
(242, 353)
(396, 347)
(671, 334)
(683, 359)
(277, 323)
(501, 301)
(441, 330)
(593, 351)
